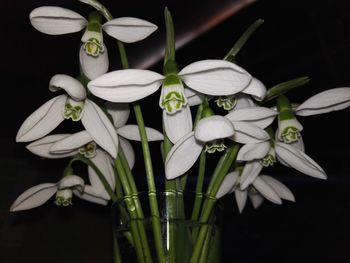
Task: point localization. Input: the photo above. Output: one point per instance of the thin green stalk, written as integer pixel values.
(117, 258)
(207, 210)
(231, 55)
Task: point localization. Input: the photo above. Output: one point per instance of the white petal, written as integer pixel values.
(226, 186)
(243, 101)
(252, 151)
(71, 85)
(241, 199)
(215, 77)
(129, 29)
(71, 181)
(42, 147)
(126, 85)
(131, 132)
(54, 20)
(213, 127)
(128, 151)
(266, 190)
(279, 188)
(120, 113)
(34, 197)
(299, 160)
(250, 171)
(71, 143)
(256, 88)
(248, 133)
(193, 97)
(182, 156)
(260, 116)
(256, 200)
(178, 124)
(103, 163)
(90, 195)
(326, 101)
(43, 120)
(100, 128)
(91, 66)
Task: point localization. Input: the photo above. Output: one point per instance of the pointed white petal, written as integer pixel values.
(54, 20)
(326, 101)
(250, 171)
(213, 127)
(248, 133)
(182, 156)
(256, 200)
(256, 89)
(34, 196)
(241, 199)
(243, 101)
(299, 160)
(279, 188)
(252, 151)
(90, 195)
(215, 77)
(72, 86)
(193, 97)
(103, 163)
(129, 29)
(71, 181)
(43, 120)
(100, 128)
(178, 124)
(131, 132)
(266, 190)
(71, 143)
(126, 85)
(91, 66)
(260, 116)
(120, 113)
(227, 184)
(42, 147)
(128, 151)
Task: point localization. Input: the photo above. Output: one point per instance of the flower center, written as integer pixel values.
(88, 150)
(93, 47)
(64, 197)
(73, 110)
(226, 102)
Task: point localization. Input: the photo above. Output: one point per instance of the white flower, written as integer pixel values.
(211, 77)
(55, 20)
(39, 194)
(208, 133)
(263, 186)
(74, 105)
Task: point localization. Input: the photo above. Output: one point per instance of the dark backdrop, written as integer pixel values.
(298, 38)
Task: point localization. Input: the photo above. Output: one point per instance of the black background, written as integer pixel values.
(298, 38)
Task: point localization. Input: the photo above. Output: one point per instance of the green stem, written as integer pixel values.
(116, 250)
(231, 55)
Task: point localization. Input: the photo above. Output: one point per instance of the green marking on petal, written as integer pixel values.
(226, 102)
(64, 197)
(93, 39)
(269, 159)
(93, 47)
(215, 146)
(73, 110)
(173, 97)
(88, 150)
(290, 134)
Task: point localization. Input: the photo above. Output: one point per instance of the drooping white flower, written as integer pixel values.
(211, 77)
(263, 186)
(54, 20)
(208, 134)
(75, 106)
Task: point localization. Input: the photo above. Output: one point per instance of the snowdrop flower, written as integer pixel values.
(211, 77)
(208, 134)
(263, 186)
(326, 101)
(39, 194)
(54, 20)
(255, 88)
(75, 106)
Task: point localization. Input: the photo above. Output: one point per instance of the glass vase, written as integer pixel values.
(177, 234)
